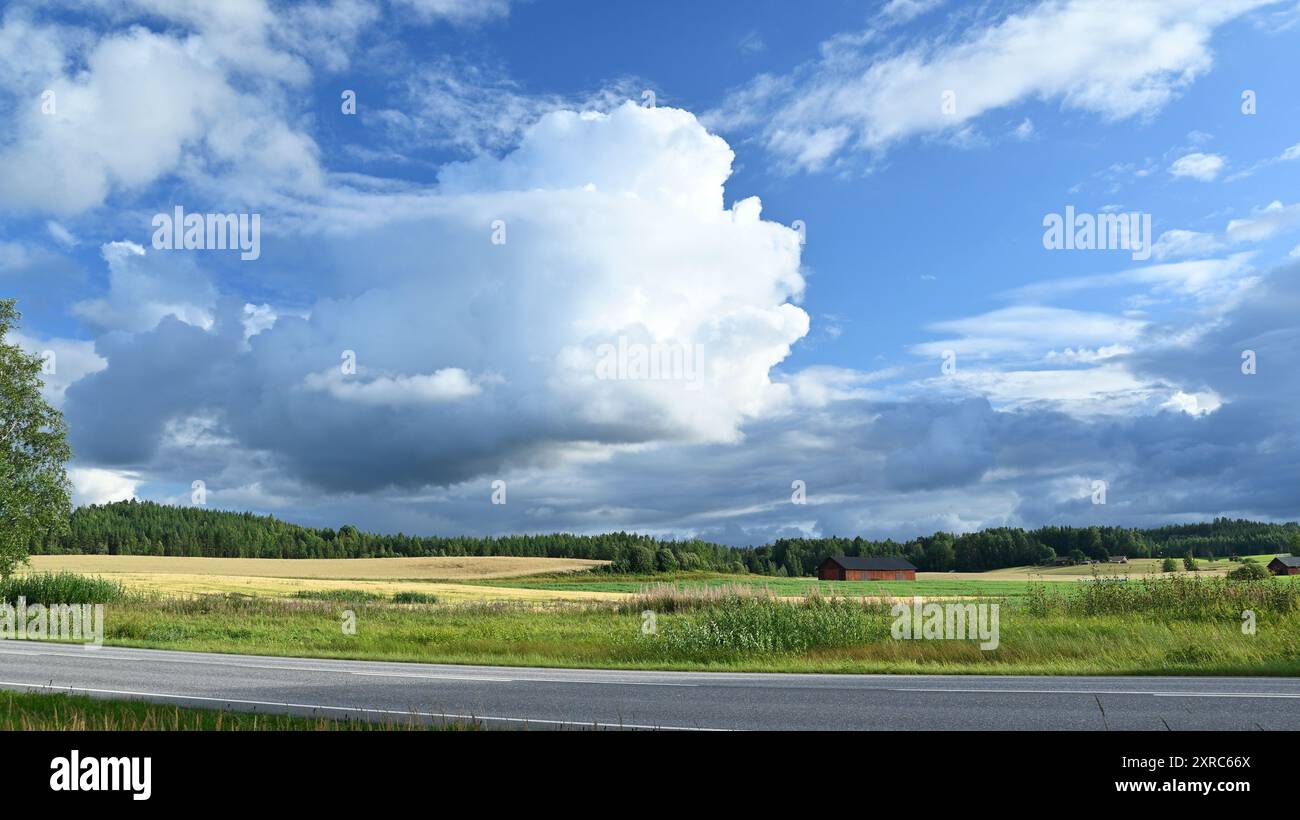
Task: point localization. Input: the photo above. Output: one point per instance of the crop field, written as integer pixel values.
(1004, 583)
(273, 577)
(540, 580)
(429, 569)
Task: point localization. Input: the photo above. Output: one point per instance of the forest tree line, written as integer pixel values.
(148, 528)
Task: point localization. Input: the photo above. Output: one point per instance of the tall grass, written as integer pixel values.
(53, 588)
(748, 625)
(347, 596)
(664, 598)
(1178, 597)
(40, 711)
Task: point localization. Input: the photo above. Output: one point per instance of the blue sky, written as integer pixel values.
(917, 359)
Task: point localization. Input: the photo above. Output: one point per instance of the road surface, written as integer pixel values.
(589, 698)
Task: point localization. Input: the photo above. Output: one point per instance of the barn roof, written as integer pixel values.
(1288, 560)
(876, 562)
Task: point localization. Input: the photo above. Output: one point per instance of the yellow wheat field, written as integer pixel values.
(390, 569)
(284, 577)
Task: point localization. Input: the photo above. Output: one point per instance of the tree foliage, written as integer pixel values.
(147, 528)
(34, 488)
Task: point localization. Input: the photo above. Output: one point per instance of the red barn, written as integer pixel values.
(878, 568)
(1285, 565)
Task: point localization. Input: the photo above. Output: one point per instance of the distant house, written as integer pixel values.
(881, 568)
(1285, 565)
(1067, 561)
(1117, 559)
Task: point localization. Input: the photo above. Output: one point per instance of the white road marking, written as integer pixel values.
(349, 710)
(1102, 692)
(103, 656)
(432, 677)
(608, 682)
(100, 655)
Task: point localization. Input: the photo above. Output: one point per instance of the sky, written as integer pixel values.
(736, 271)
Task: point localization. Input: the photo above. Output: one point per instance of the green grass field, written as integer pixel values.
(1010, 583)
(42, 712)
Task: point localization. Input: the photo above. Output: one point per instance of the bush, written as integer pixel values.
(414, 598)
(1169, 565)
(52, 589)
(1249, 571)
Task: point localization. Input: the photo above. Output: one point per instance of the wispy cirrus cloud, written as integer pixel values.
(1116, 59)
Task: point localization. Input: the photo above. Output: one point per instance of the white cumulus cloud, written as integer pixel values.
(1198, 166)
(478, 347)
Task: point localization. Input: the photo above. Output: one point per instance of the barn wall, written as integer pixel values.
(879, 575)
(830, 571)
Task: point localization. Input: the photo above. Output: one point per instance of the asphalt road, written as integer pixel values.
(586, 698)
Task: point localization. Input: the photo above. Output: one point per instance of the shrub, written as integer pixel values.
(414, 598)
(1169, 565)
(1249, 571)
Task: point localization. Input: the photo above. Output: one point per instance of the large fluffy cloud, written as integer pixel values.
(480, 315)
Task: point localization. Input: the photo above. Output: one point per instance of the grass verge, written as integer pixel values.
(42, 712)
